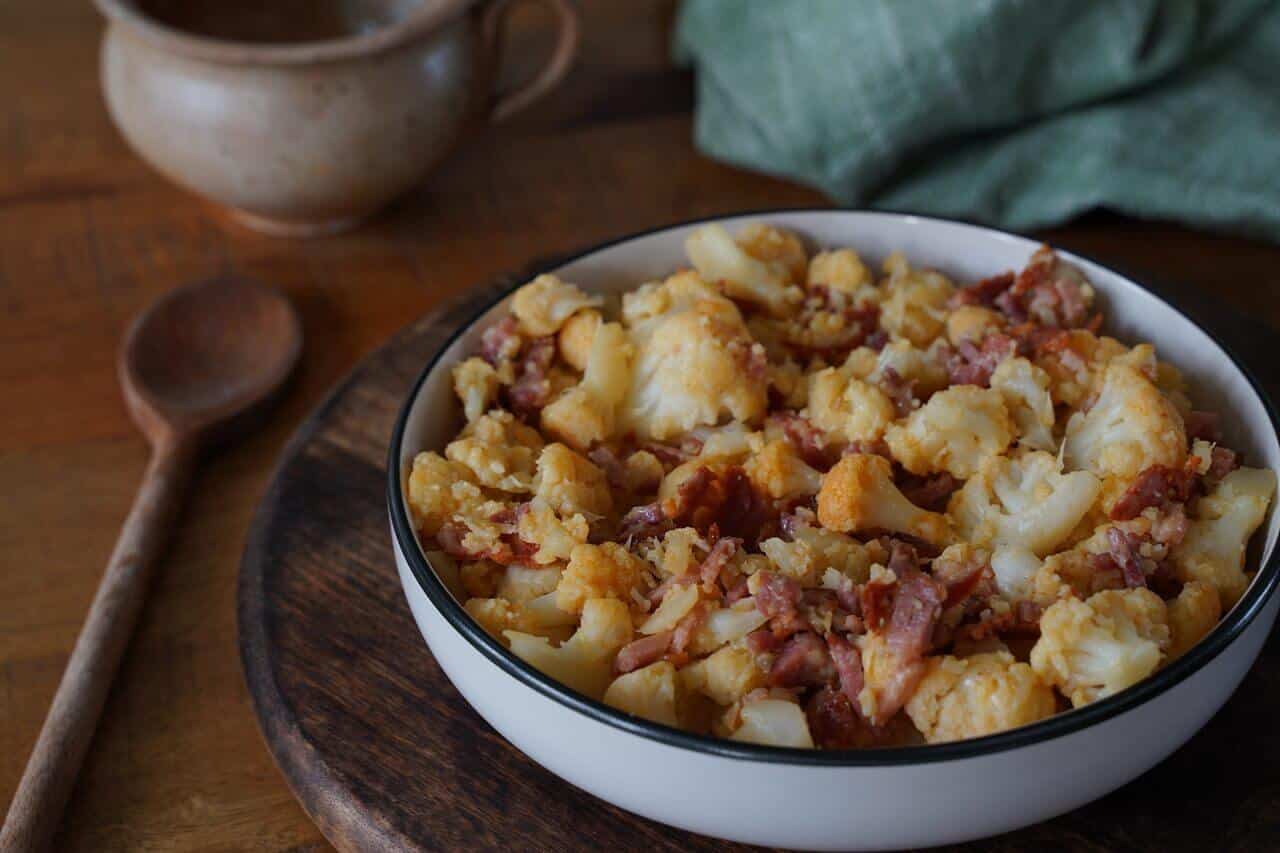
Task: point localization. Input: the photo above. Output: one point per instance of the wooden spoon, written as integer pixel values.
(195, 368)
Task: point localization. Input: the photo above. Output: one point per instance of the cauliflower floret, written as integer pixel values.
(649, 693)
(812, 550)
(476, 383)
(859, 494)
(1075, 364)
(779, 472)
(1192, 615)
(843, 271)
(1024, 502)
(499, 450)
(847, 409)
(775, 246)
(542, 305)
(434, 495)
(726, 625)
(674, 553)
(954, 432)
(598, 571)
(571, 483)
(1015, 569)
(1095, 648)
(978, 695)
(693, 367)
(1025, 389)
(1131, 427)
(678, 603)
(588, 413)
(498, 615)
(972, 323)
(773, 722)
(726, 676)
(915, 307)
(731, 441)
(718, 258)
(912, 365)
(788, 381)
(1214, 548)
(642, 472)
(522, 584)
(576, 336)
(555, 536)
(584, 662)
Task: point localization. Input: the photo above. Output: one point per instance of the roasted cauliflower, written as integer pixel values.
(956, 431)
(978, 695)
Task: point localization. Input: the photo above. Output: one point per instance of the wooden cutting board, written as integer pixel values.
(385, 755)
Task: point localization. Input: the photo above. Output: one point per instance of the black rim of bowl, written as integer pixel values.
(1067, 722)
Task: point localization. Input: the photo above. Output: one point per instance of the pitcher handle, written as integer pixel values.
(506, 104)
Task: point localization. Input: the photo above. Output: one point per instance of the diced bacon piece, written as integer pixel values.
(833, 721)
(983, 292)
(687, 627)
(1154, 486)
(875, 600)
(717, 559)
(1170, 528)
(917, 604)
(805, 438)
(607, 460)
(969, 364)
(931, 491)
(778, 598)
(642, 522)
(848, 665)
(501, 342)
(1124, 551)
(902, 392)
(642, 652)
(532, 387)
(1048, 291)
(763, 640)
(802, 662)
(726, 499)
(1222, 462)
(449, 536)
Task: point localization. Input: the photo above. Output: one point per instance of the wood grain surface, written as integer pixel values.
(89, 235)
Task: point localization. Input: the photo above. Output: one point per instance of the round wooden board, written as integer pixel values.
(385, 755)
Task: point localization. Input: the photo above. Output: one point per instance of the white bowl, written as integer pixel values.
(841, 800)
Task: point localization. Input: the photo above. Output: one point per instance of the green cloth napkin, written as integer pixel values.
(1020, 113)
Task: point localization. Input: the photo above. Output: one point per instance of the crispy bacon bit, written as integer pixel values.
(532, 388)
(737, 592)
(805, 438)
(1222, 462)
(802, 662)
(671, 456)
(968, 364)
(1155, 486)
(983, 292)
(901, 391)
(847, 596)
(1047, 291)
(903, 556)
(450, 538)
(963, 579)
(1022, 618)
(687, 627)
(763, 641)
(875, 599)
(931, 491)
(778, 598)
(643, 521)
(917, 604)
(606, 460)
(642, 652)
(848, 665)
(660, 591)
(716, 561)
(501, 342)
(1124, 550)
(1204, 425)
(833, 720)
(726, 499)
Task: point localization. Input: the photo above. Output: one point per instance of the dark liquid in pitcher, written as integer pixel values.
(274, 21)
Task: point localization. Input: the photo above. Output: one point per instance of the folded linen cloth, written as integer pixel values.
(1020, 113)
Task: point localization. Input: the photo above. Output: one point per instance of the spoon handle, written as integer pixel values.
(68, 729)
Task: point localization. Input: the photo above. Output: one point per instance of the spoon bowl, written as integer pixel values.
(206, 353)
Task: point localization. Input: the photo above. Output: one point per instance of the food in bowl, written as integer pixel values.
(774, 499)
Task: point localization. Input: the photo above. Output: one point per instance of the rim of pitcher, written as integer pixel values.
(421, 21)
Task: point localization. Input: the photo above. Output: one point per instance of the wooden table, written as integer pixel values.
(89, 235)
